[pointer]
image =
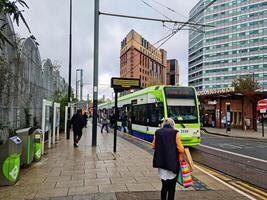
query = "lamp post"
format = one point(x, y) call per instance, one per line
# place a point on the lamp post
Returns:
point(95, 83)
point(69, 89)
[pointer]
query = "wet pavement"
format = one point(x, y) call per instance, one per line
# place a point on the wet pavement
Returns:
point(67, 173)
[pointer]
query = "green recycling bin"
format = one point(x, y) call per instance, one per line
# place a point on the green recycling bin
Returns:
point(27, 137)
point(38, 142)
point(10, 149)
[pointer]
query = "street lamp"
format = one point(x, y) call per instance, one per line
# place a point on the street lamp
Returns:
point(69, 89)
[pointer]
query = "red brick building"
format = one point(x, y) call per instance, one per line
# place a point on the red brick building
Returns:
point(243, 107)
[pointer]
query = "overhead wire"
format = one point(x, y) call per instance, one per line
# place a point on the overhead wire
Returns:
point(170, 9)
point(184, 24)
point(169, 36)
point(155, 9)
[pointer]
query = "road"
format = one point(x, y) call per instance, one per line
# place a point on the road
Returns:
point(243, 159)
point(248, 147)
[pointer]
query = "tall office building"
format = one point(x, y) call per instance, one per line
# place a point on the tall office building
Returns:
point(140, 59)
point(172, 70)
point(235, 46)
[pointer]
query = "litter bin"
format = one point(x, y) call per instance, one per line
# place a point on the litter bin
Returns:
point(10, 149)
point(26, 135)
point(38, 142)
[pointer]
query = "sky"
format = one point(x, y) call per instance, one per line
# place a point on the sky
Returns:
point(49, 23)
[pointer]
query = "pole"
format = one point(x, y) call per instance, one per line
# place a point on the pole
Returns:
point(76, 85)
point(81, 86)
point(262, 121)
point(116, 119)
point(69, 90)
point(95, 85)
point(88, 102)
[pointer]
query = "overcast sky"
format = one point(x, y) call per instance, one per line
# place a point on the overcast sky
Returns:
point(49, 22)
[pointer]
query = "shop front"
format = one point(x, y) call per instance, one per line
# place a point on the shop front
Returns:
point(241, 108)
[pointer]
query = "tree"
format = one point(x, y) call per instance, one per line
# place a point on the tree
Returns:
point(61, 96)
point(247, 84)
point(11, 8)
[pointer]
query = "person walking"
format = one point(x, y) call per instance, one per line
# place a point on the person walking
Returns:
point(77, 123)
point(168, 149)
point(85, 118)
point(112, 120)
point(124, 122)
point(104, 121)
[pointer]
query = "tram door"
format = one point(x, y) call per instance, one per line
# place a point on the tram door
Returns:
point(128, 109)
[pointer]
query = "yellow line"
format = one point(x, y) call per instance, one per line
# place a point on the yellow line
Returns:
point(248, 191)
point(252, 188)
point(216, 174)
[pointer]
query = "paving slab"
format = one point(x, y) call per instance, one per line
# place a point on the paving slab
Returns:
point(67, 173)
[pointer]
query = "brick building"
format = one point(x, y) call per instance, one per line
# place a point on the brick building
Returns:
point(140, 59)
point(172, 70)
point(243, 107)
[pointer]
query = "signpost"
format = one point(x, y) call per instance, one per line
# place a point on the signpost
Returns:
point(119, 85)
point(262, 105)
point(228, 116)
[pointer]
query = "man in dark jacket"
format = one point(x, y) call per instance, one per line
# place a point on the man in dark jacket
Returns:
point(77, 123)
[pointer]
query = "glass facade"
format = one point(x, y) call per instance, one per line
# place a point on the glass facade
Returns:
point(235, 46)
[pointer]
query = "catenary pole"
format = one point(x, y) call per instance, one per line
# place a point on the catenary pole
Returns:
point(95, 84)
point(81, 87)
point(69, 89)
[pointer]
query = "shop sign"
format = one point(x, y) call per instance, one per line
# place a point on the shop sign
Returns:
point(212, 102)
point(216, 91)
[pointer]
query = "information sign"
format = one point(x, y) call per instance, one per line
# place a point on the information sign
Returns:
point(119, 85)
point(122, 84)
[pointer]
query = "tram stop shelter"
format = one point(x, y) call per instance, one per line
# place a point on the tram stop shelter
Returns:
point(243, 107)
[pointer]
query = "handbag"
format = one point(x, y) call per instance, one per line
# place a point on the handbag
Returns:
point(184, 176)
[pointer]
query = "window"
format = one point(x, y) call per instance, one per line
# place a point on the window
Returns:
point(156, 114)
point(139, 114)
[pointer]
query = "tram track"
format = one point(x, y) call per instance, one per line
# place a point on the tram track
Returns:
point(243, 174)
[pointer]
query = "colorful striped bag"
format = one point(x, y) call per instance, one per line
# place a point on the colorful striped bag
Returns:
point(184, 177)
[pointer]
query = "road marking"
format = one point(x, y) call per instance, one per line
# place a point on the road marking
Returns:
point(252, 188)
point(236, 154)
point(248, 191)
point(226, 184)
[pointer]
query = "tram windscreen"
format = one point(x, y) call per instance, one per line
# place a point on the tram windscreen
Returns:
point(181, 105)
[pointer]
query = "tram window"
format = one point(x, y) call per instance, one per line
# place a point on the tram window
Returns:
point(139, 114)
point(155, 114)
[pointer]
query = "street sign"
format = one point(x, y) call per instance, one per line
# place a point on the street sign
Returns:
point(263, 110)
point(262, 104)
point(121, 84)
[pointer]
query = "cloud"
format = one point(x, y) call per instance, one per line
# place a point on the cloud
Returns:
point(49, 22)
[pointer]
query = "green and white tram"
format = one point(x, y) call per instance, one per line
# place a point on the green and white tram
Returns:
point(147, 108)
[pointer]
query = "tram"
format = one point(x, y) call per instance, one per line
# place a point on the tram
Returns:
point(146, 109)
